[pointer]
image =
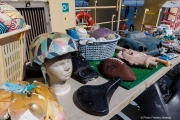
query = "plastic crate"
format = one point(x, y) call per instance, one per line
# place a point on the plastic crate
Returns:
point(99, 50)
point(12, 54)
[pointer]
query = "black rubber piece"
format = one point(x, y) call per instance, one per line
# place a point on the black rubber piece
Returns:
point(95, 99)
point(33, 71)
point(82, 70)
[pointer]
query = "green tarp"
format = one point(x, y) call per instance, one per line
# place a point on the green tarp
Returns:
point(141, 73)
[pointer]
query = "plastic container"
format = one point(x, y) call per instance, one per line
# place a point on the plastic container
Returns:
point(99, 50)
point(73, 33)
point(12, 55)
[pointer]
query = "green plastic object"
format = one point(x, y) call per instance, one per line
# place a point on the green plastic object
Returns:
point(141, 73)
point(170, 37)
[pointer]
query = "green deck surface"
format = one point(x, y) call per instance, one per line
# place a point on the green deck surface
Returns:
point(141, 73)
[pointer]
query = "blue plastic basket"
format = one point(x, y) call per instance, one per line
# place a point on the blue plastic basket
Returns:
point(99, 50)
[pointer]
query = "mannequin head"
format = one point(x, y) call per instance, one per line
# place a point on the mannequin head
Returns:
point(52, 52)
point(59, 69)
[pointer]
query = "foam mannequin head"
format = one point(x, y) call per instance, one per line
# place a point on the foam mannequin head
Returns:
point(59, 70)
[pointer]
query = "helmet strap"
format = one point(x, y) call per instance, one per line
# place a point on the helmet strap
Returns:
point(43, 69)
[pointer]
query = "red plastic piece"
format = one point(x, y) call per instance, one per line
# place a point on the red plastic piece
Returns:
point(176, 22)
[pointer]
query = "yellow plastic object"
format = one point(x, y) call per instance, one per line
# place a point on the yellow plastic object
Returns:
point(147, 12)
point(54, 111)
point(150, 13)
point(41, 105)
point(12, 54)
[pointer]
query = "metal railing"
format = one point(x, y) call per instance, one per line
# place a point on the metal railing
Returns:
point(95, 7)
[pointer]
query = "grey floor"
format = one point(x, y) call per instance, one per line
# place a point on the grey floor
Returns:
point(130, 112)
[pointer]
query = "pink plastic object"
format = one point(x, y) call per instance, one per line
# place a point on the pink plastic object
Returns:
point(137, 58)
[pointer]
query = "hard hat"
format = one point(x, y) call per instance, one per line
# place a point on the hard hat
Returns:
point(51, 45)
